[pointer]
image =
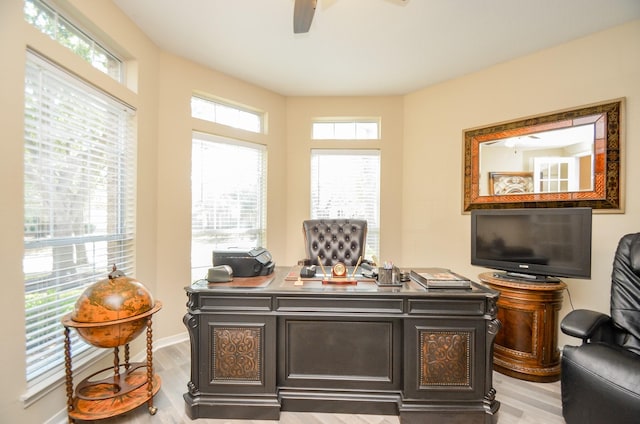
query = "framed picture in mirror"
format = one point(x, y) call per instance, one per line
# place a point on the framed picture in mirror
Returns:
point(501, 183)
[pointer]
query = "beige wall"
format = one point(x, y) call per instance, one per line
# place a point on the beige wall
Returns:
point(141, 92)
point(421, 144)
point(300, 112)
point(600, 67)
point(178, 80)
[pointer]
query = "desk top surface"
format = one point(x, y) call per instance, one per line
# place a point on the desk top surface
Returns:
point(285, 280)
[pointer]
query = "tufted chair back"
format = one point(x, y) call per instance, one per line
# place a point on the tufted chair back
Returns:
point(334, 240)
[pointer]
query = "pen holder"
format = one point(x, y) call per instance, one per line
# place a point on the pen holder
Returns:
point(389, 276)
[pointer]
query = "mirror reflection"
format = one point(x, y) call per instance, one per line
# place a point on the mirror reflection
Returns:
point(544, 162)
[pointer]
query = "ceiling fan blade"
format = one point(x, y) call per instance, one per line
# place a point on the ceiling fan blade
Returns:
point(303, 11)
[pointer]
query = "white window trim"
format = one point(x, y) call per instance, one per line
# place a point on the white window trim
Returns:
point(342, 121)
point(81, 364)
point(195, 268)
point(260, 116)
point(373, 223)
point(94, 41)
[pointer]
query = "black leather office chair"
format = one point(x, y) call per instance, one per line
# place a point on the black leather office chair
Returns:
point(601, 378)
point(334, 240)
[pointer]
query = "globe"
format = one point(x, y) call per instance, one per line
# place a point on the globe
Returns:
point(113, 311)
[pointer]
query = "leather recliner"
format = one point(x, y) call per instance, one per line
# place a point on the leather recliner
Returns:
point(600, 379)
point(334, 240)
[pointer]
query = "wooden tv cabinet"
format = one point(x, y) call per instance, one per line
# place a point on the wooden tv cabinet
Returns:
point(281, 346)
point(526, 346)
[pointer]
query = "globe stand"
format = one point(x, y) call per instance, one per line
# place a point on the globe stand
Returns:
point(131, 385)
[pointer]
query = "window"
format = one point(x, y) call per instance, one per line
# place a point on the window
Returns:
point(51, 23)
point(226, 114)
point(556, 174)
point(358, 129)
point(228, 206)
point(346, 184)
point(79, 205)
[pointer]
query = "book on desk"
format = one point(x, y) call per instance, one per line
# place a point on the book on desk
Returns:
point(439, 278)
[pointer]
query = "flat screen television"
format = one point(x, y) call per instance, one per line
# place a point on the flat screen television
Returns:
point(537, 245)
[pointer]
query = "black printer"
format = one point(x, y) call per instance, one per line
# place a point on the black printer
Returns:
point(245, 263)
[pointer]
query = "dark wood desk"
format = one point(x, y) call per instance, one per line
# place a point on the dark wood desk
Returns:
point(423, 355)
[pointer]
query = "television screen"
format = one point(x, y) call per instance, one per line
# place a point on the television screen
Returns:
point(533, 244)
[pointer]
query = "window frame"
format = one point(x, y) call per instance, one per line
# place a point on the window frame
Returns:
point(201, 261)
point(123, 234)
point(223, 107)
point(372, 251)
point(338, 128)
point(62, 23)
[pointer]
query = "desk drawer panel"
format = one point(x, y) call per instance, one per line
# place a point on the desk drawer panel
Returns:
point(441, 307)
point(332, 304)
point(341, 354)
point(235, 303)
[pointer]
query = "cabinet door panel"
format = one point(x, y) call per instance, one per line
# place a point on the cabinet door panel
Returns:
point(237, 351)
point(519, 330)
point(444, 359)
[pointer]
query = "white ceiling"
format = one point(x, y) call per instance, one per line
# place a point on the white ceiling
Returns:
point(366, 47)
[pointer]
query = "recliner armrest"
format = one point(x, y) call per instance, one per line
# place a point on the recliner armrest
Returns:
point(583, 323)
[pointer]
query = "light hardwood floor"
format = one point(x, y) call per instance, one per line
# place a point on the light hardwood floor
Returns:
point(521, 402)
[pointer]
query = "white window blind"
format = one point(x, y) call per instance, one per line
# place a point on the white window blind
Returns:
point(346, 184)
point(79, 205)
point(228, 184)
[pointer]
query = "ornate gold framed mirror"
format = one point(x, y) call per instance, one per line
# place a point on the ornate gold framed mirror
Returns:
point(573, 158)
